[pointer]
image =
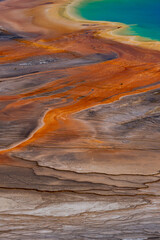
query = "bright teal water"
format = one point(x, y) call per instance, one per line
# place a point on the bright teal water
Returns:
point(143, 16)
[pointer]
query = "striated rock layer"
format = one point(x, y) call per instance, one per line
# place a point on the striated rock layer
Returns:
point(79, 129)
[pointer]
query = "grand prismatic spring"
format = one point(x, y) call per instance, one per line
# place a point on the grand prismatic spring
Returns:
point(79, 120)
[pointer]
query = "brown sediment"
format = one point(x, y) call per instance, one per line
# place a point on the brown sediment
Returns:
point(79, 120)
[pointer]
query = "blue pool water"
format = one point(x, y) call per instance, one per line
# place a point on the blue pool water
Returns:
point(142, 16)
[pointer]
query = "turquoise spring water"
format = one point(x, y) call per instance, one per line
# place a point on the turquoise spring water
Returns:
point(142, 16)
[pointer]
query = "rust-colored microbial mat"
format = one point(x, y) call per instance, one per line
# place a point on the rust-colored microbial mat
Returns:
point(79, 127)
